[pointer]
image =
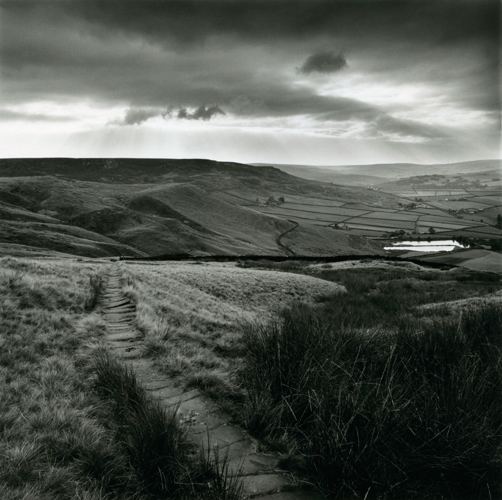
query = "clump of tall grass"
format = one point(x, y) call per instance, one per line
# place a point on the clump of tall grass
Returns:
point(94, 291)
point(411, 412)
point(165, 464)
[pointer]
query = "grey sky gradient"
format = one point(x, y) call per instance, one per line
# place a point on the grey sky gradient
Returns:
point(398, 80)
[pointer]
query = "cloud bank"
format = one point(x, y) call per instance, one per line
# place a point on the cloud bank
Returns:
point(418, 71)
point(324, 62)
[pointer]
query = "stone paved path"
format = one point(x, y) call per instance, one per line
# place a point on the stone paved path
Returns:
point(207, 425)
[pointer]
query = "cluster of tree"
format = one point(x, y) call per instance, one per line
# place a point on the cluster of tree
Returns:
point(397, 233)
point(275, 201)
point(408, 206)
point(494, 244)
point(271, 200)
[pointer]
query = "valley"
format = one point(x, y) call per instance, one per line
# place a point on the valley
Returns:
point(155, 207)
point(144, 208)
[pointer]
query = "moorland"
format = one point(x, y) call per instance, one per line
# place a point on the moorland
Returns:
point(138, 207)
point(367, 376)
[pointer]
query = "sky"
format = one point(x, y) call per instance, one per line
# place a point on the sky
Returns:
point(302, 82)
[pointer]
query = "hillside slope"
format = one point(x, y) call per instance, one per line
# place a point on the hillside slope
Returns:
point(378, 173)
point(137, 207)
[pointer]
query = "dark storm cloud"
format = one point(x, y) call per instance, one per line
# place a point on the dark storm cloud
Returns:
point(201, 113)
point(136, 116)
point(323, 62)
point(242, 55)
point(195, 20)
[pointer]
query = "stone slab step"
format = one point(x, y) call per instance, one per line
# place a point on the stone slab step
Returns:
point(119, 306)
point(121, 310)
point(132, 352)
point(303, 494)
point(169, 393)
point(112, 314)
point(170, 399)
point(124, 336)
point(253, 463)
point(119, 301)
point(260, 484)
point(155, 384)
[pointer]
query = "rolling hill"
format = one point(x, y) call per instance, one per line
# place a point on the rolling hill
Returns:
point(379, 173)
point(141, 207)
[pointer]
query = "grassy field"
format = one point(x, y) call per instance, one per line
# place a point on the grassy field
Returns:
point(475, 259)
point(192, 314)
point(74, 424)
point(413, 383)
point(133, 207)
point(51, 442)
point(448, 201)
point(380, 221)
point(374, 397)
point(367, 390)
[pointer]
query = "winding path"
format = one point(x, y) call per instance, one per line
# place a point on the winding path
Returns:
point(259, 472)
point(279, 242)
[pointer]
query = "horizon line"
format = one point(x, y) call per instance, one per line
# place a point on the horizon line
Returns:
point(254, 164)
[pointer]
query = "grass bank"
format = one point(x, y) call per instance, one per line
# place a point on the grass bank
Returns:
point(50, 439)
point(372, 400)
point(73, 423)
point(367, 394)
point(192, 316)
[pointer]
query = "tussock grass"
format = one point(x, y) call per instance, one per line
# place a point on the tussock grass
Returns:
point(165, 464)
point(191, 316)
point(414, 411)
point(154, 442)
point(58, 439)
point(95, 288)
point(51, 444)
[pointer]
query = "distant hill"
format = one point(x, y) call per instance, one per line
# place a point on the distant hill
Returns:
point(362, 175)
point(470, 180)
point(141, 207)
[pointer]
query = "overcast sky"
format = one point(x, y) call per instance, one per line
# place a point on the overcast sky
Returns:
point(315, 82)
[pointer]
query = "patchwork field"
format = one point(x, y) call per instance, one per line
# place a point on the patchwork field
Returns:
point(464, 198)
point(414, 218)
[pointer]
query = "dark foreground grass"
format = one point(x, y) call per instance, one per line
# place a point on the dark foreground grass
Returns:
point(164, 463)
point(413, 411)
point(58, 439)
point(50, 442)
